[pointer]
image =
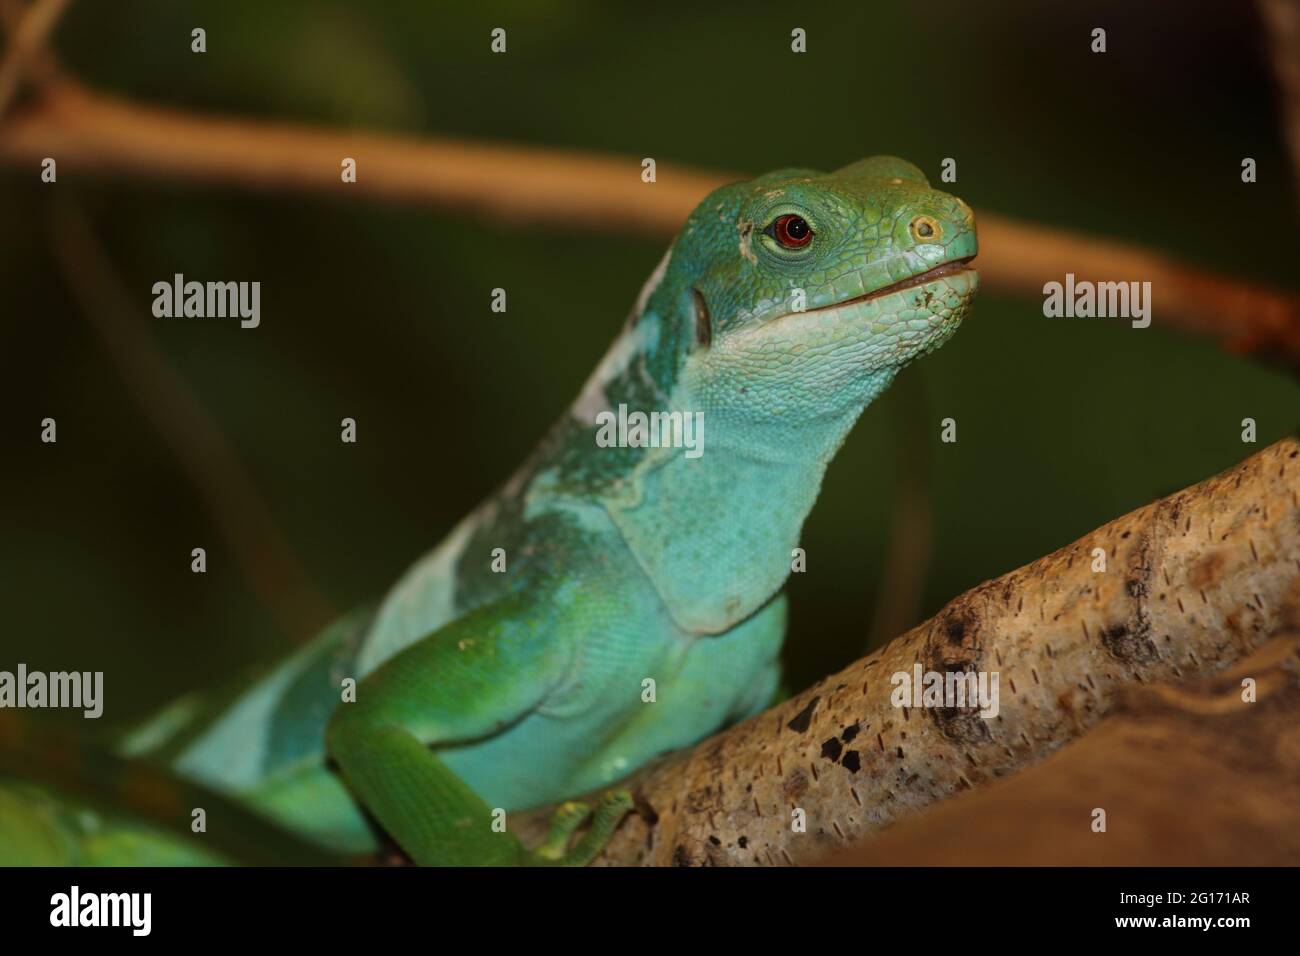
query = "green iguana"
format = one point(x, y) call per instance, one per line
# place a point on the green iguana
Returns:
point(621, 595)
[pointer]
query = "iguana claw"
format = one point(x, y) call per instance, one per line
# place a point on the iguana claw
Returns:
point(605, 818)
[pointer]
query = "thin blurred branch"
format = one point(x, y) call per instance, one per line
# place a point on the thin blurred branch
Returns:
point(228, 493)
point(1282, 22)
point(91, 133)
point(268, 563)
point(911, 526)
point(28, 29)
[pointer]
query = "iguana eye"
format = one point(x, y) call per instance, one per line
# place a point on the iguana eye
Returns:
point(791, 231)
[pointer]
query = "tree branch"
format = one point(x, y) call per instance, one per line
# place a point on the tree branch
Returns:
point(26, 48)
point(90, 133)
point(1193, 582)
point(229, 495)
point(1229, 768)
point(1282, 24)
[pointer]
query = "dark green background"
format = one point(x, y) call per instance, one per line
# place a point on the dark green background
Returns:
point(382, 313)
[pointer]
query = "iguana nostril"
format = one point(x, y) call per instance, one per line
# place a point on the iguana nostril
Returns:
point(923, 227)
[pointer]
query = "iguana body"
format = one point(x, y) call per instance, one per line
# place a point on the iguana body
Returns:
point(782, 309)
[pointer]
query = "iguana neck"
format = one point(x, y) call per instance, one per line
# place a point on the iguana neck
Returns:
point(715, 534)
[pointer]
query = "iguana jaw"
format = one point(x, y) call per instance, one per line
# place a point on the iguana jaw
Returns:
point(951, 267)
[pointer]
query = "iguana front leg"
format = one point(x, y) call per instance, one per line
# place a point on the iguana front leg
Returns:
point(468, 680)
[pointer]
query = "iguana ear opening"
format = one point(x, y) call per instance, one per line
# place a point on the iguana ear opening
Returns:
point(703, 322)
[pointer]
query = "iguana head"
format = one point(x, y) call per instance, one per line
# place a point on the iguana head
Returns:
point(800, 294)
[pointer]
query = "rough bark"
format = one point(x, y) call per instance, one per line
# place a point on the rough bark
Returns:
point(1187, 776)
point(1193, 583)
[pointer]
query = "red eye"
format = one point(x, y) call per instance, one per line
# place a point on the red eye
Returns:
point(791, 231)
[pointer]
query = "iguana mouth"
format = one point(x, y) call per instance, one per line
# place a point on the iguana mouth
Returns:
point(951, 267)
